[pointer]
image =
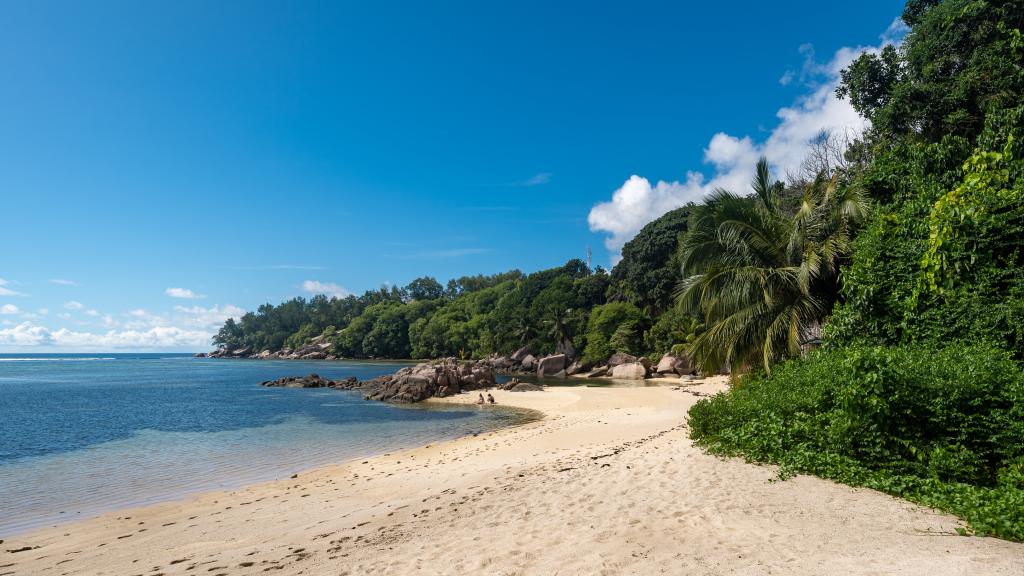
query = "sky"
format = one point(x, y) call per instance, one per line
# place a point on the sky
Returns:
point(167, 165)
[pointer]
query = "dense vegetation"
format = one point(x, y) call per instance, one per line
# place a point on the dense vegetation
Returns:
point(586, 313)
point(919, 390)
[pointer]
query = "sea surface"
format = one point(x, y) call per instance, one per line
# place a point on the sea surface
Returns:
point(81, 434)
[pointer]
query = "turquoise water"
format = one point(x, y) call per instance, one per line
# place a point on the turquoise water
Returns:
point(84, 433)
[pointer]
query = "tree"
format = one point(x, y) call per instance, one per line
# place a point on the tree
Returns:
point(648, 272)
point(229, 335)
point(626, 339)
point(673, 328)
point(759, 276)
point(602, 325)
point(425, 288)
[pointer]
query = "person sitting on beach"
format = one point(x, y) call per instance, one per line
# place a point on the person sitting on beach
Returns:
point(480, 400)
point(490, 398)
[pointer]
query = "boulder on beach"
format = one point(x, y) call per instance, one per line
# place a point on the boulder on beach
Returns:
point(577, 367)
point(528, 363)
point(519, 355)
point(550, 365)
point(620, 358)
point(526, 387)
point(674, 364)
point(501, 362)
point(631, 371)
point(598, 372)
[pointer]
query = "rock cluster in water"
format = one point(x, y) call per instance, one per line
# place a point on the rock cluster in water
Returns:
point(412, 384)
point(310, 381)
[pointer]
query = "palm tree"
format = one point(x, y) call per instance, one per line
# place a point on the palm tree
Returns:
point(523, 330)
point(558, 320)
point(760, 276)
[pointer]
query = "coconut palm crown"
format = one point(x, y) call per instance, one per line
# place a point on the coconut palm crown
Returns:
point(762, 276)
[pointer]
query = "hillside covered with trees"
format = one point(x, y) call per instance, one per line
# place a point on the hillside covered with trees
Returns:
point(587, 313)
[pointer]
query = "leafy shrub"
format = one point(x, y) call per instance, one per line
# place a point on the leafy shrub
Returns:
point(942, 426)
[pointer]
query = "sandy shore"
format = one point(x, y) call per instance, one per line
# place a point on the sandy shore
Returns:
point(607, 483)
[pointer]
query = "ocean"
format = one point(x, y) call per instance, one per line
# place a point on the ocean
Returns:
point(82, 434)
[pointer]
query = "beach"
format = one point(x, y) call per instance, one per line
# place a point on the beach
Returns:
point(607, 482)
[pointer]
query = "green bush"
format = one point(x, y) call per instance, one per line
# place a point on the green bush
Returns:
point(942, 426)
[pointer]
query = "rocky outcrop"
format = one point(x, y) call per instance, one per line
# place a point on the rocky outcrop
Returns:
point(310, 381)
point(514, 385)
point(620, 358)
point(519, 355)
point(630, 371)
point(577, 367)
point(428, 380)
point(674, 364)
point(528, 363)
point(598, 372)
point(551, 365)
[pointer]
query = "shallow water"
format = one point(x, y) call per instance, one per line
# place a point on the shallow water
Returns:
point(83, 434)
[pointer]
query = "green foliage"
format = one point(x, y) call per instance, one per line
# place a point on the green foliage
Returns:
point(649, 271)
point(307, 331)
point(627, 339)
point(671, 329)
point(958, 62)
point(919, 391)
point(762, 277)
point(425, 288)
point(605, 323)
point(548, 310)
point(939, 426)
point(942, 257)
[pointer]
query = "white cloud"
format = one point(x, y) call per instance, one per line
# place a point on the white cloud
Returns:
point(209, 319)
point(187, 328)
point(328, 288)
point(24, 334)
point(61, 282)
point(732, 158)
point(4, 291)
point(538, 179)
point(27, 334)
point(141, 319)
point(9, 309)
point(73, 305)
point(183, 293)
point(91, 313)
point(43, 311)
point(895, 32)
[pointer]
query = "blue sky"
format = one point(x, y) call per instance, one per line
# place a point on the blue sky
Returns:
point(248, 152)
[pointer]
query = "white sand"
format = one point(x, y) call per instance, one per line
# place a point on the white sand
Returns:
point(607, 483)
